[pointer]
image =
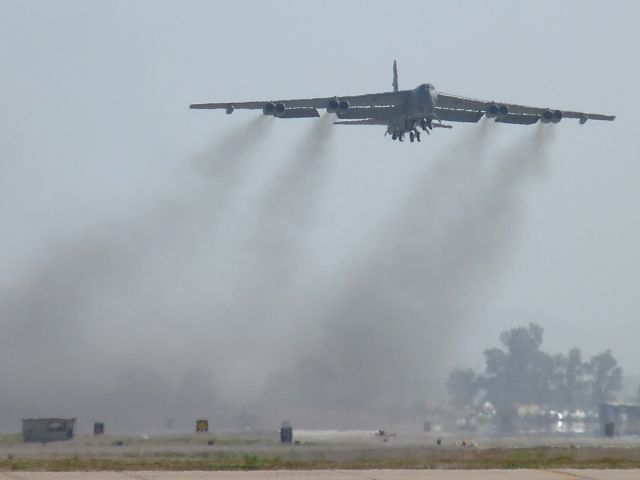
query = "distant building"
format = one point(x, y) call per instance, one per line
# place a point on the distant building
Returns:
point(619, 419)
point(43, 430)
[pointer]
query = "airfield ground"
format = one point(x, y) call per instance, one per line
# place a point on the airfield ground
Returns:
point(339, 475)
point(251, 451)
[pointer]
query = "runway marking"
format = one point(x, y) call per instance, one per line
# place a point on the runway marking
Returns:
point(572, 475)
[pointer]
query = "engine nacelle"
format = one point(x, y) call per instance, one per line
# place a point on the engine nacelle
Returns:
point(496, 110)
point(279, 109)
point(336, 105)
point(333, 105)
point(269, 108)
point(557, 116)
point(551, 116)
point(229, 109)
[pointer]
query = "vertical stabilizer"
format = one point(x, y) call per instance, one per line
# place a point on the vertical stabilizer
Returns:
point(395, 76)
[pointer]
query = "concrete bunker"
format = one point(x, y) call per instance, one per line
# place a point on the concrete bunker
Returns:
point(43, 430)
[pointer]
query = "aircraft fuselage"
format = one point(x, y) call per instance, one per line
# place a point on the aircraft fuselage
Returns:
point(418, 111)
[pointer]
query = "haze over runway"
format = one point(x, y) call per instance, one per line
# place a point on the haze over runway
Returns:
point(157, 261)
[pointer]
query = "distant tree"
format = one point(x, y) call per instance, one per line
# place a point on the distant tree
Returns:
point(463, 386)
point(570, 382)
point(557, 379)
point(576, 384)
point(521, 373)
point(494, 381)
point(606, 377)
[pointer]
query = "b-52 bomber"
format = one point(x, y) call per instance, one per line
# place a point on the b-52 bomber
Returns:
point(406, 111)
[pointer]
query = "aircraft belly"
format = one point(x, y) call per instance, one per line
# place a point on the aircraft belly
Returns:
point(403, 124)
point(421, 107)
point(396, 123)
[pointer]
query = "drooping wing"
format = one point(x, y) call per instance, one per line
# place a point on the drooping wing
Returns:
point(519, 114)
point(366, 100)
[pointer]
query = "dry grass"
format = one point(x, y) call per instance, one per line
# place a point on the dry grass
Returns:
point(431, 458)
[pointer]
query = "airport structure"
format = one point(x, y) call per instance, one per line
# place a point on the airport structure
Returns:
point(202, 426)
point(619, 419)
point(98, 428)
point(286, 432)
point(42, 430)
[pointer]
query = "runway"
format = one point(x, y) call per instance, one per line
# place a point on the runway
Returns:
point(559, 474)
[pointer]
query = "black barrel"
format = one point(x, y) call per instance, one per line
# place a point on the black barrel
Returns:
point(98, 428)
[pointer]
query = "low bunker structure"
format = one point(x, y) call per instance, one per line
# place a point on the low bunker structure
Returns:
point(42, 430)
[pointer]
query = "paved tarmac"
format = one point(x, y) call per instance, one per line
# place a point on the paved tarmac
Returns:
point(560, 474)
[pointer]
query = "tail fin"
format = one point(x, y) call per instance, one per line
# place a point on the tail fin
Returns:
point(395, 77)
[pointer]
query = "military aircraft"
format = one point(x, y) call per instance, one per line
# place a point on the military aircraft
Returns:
point(406, 111)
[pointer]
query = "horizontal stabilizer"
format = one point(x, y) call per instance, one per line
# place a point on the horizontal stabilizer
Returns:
point(518, 118)
point(452, 115)
point(300, 113)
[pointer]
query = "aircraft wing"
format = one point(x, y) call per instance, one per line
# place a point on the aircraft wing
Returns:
point(519, 114)
point(366, 100)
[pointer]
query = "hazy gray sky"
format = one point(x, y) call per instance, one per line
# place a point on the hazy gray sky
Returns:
point(96, 136)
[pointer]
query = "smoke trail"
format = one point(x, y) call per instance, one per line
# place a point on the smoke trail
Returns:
point(483, 226)
point(225, 155)
point(481, 234)
point(276, 263)
point(361, 343)
point(217, 174)
point(303, 175)
point(485, 229)
point(399, 320)
point(288, 207)
point(95, 298)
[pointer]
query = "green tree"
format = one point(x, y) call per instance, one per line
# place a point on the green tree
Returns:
point(521, 373)
point(606, 377)
point(570, 382)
